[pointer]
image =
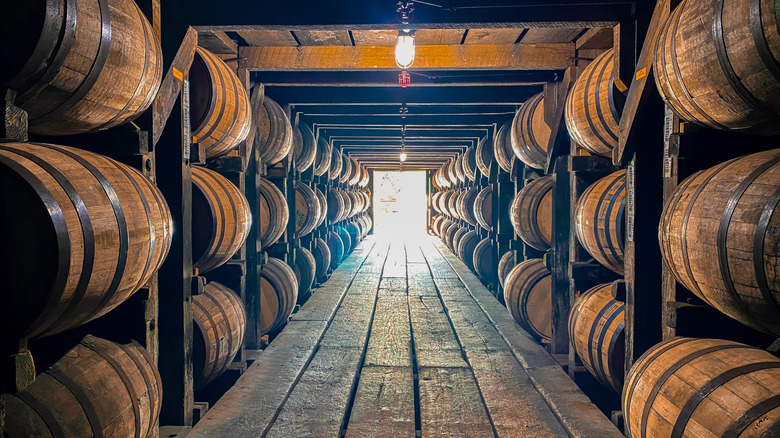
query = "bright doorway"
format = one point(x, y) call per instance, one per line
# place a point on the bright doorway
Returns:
point(399, 204)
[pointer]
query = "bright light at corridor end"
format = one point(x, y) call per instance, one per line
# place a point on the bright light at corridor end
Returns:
point(404, 49)
point(402, 157)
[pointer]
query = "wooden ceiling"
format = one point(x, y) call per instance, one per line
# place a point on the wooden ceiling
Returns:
point(475, 64)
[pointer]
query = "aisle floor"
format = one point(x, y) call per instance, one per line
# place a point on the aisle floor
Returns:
point(403, 341)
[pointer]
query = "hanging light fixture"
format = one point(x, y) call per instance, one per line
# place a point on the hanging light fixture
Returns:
point(404, 48)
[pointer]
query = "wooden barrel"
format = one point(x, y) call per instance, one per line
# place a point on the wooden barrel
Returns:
point(718, 238)
point(220, 219)
point(304, 147)
point(434, 197)
point(446, 223)
point(323, 206)
point(368, 224)
point(452, 204)
point(357, 173)
point(273, 132)
point(305, 270)
point(219, 323)
point(484, 156)
point(79, 66)
point(219, 105)
point(307, 209)
point(96, 230)
point(278, 295)
point(505, 265)
point(365, 179)
point(716, 64)
point(502, 147)
point(485, 260)
point(449, 229)
point(337, 249)
point(98, 388)
point(335, 164)
point(355, 233)
point(470, 163)
point(531, 213)
point(600, 221)
point(443, 202)
point(530, 133)
point(366, 201)
point(436, 224)
point(466, 205)
point(458, 169)
point(483, 208)
point(322, 258)
point(322, 157)
point(703, 387)
point(349, 244)
point(346, 169)
point(593, 107)
point(336, 205)
point(527, 291)
point(466, 246)
point(596, 332)
point(456, 238)
point(274, 213)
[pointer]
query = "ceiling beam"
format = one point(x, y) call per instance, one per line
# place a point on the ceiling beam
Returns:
point(419, 78)
point(451, 57)
point(384, 109)
point(472, 96)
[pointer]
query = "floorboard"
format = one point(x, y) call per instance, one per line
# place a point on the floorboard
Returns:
point(451, 405)
point(384, 404)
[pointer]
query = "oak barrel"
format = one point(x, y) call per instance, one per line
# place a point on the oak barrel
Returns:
point(502, 147)
point(600, 220)
point(596, 332)
point(484, 156)
point(278, 295)
point(337, 249)
point(466, 246)
point(470, 163)
point(220, 219)
point(336, 205)
point(79, 66)
point(219, 324)
point(323, 206)
point(505, 265)
point(355, 234)
point(531, 213)
point(716, 64)
point(466, 205)
point(447, 232)
point(593, 107)
point(304, 148)
point(719, 238)
point(703, 387)
point(322, 157)
point(273, 132)
point(457, 169)
point(305, 270)
point(527, 291)
point(321, 254)
point(274, 213)
point(95, 228)
point(530, 133)
point(483, 208)
point(357, 174)
point(336, 164)
point(485, 260)
point(444, 233)
point(98, 388)
point(452, 204)
point(346, 169)
point(456, 237)
point(349, 244)
point(307, 209)
point(219, 105)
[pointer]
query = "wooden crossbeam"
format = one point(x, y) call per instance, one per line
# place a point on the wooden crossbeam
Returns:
point(450, 57)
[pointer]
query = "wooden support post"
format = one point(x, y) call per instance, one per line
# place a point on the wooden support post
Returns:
point(175, 275)
point(559, 140)
point(642, 255)
point(639, 91)
point(561, 232)
point(624, 44)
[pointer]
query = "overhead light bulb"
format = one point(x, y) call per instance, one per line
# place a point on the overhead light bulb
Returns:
point(404, 48)
point(403, 155)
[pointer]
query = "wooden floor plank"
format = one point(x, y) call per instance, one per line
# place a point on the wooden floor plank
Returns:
point(574, 410)
point(434, 341)
point(317, 405)
point(248, 408)
point(420, 280)
point(395, 266)
point(384, 404)
point(515, 406)
point(390, 344)
point(451, 405)
point(394, 283)
point(453, 291)
point(350, 325)
point(414, 253)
